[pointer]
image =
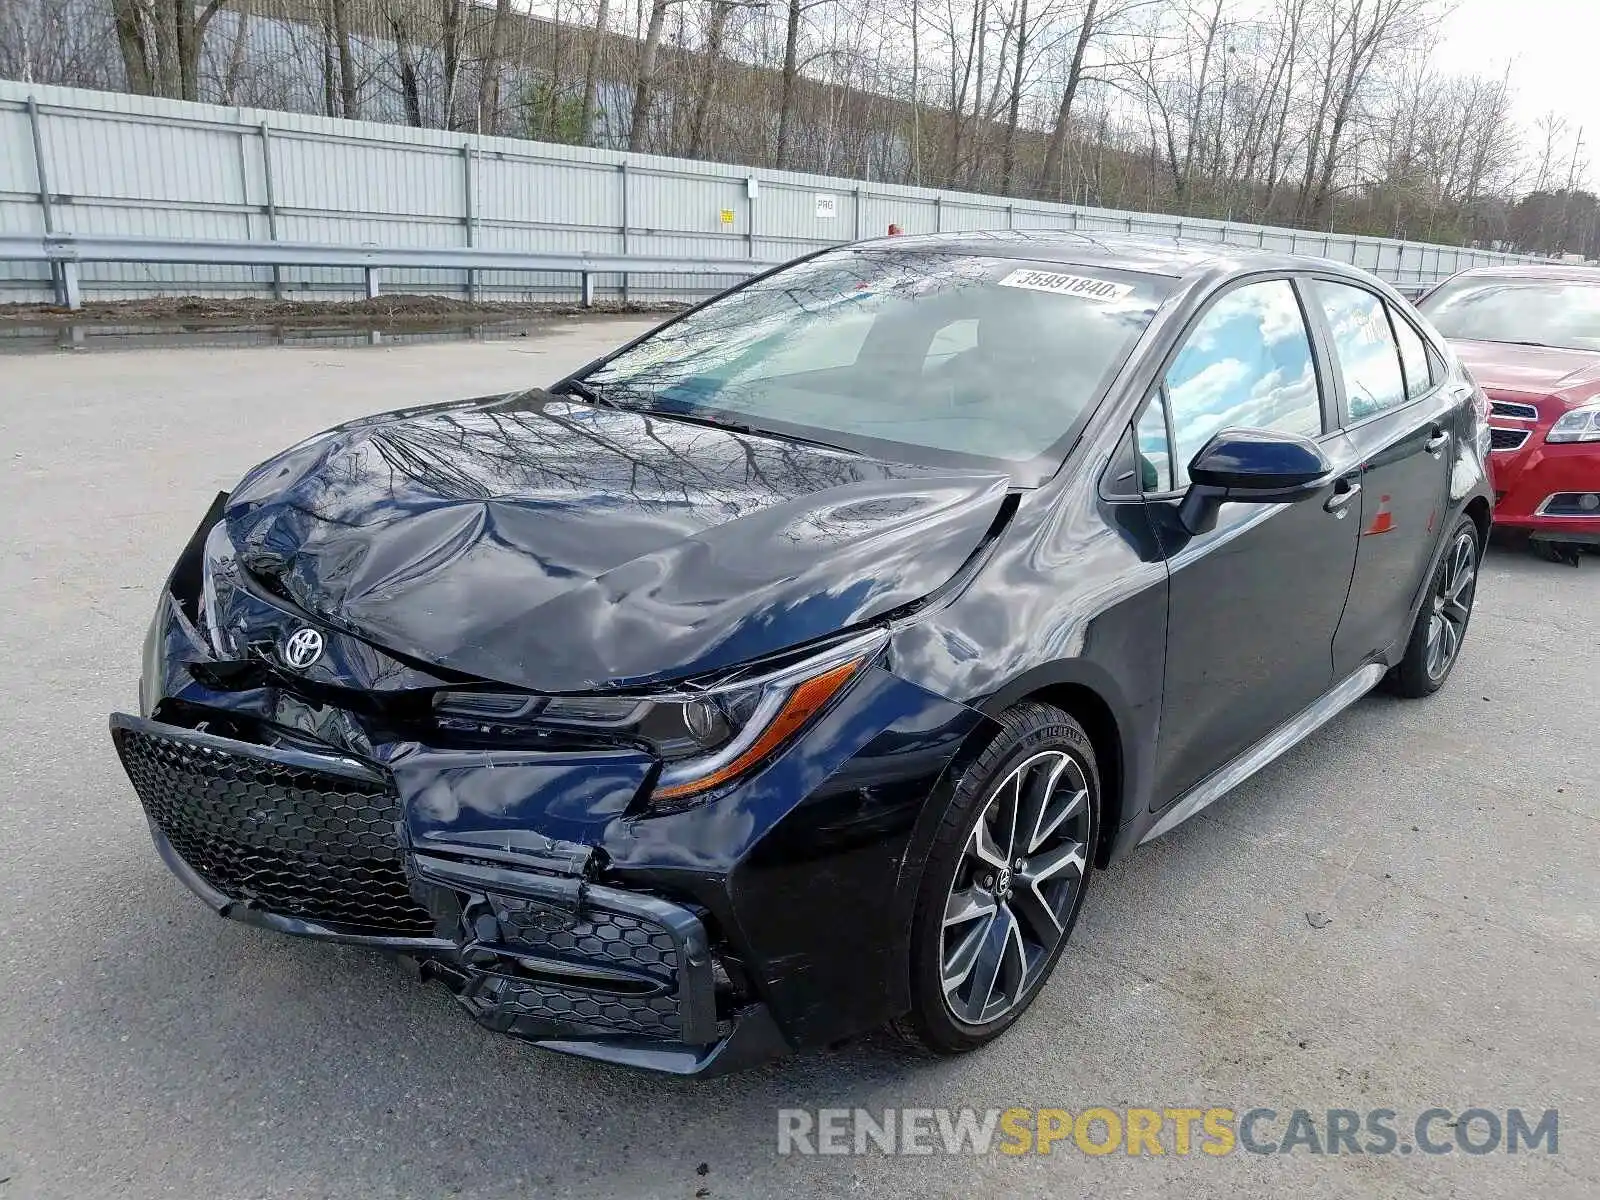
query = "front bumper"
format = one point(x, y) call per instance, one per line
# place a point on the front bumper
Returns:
point(324, 802)
point(313, 845)
point(1527, 479)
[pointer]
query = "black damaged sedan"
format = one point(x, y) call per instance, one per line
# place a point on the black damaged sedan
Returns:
point(790, 671)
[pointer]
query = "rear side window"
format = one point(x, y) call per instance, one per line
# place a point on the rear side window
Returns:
point(1413, 355)
point(1369, 360)
point(1246, 365)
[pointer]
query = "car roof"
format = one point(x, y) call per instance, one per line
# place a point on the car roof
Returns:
point(1172, 257)
point(1533, 271)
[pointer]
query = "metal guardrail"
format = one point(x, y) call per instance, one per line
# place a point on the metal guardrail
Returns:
point(177, 170)
point(65, 251)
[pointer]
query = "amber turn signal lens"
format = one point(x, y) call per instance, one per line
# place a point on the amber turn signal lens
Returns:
point(803, 703)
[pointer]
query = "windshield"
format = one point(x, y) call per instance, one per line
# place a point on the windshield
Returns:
point(917, 355)
point(1545, 312)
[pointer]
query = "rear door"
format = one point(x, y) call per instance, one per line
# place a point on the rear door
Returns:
point(1401, 422)
point(1255, 602)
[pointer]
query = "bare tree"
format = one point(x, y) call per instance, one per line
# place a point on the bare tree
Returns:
point(493, 63)
point(410, 76)
point(349, 103)
point(61, 41)
point(1087, 27)
point(1291, 19)
point(1360, 33)
point(160, 42)
point(450, 48)
point(645, 80)
point(591, 70)
point(131, 33)
point(1019, 68)
point(1265, 110)
point(716, 30)
point(1207, 36)
point(791, 73)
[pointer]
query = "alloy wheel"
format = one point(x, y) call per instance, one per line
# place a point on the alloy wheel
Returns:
point(1014, 887)
point(1452, 604)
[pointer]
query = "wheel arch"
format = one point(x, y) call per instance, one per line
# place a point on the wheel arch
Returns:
point(1478, 509)
point(1091, 697)
point(1091, 711)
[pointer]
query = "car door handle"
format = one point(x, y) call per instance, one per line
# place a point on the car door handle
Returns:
point(1437, 442)
point(1339, 503)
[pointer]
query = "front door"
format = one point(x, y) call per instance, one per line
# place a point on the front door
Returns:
point(1255, 602)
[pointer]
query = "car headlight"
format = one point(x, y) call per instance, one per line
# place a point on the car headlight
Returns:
point(705, 737)
point(1579, 425)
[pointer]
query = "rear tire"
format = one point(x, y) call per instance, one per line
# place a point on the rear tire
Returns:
point(1004, 881)
point(1441, 625)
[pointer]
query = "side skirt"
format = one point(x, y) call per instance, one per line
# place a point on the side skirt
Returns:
point(1285, 738)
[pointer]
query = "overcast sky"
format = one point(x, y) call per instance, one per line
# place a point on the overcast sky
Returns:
point(1554, 49)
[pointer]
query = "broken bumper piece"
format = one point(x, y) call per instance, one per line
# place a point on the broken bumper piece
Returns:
point(312, 844)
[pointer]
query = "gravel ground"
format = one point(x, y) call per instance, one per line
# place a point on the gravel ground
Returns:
point(1447, 849)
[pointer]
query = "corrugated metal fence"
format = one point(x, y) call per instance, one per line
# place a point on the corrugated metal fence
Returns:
point(74, 161)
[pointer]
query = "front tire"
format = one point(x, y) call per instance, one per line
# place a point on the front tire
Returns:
point(1441, 626)
point(1004, 881)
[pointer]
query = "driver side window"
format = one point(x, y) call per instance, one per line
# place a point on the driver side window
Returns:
point(1247, 364)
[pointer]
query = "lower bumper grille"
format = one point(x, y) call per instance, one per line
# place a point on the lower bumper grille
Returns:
point(620, 941)
point(1507, 439)
point(286, 837)
point(575, 1012)
point(544, 962)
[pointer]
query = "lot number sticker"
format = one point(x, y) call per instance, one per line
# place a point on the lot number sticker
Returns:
point(1068, 285)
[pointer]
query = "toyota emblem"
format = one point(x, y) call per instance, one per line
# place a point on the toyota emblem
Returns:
point(302, 648)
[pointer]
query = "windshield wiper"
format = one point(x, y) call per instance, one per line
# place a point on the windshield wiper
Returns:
point(590, 393)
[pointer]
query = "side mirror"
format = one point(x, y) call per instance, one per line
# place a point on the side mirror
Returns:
point(1251, 466)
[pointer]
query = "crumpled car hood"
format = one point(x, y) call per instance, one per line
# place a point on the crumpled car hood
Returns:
point(558, 546)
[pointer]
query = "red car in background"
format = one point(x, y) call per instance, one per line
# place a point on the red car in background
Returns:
point(1530, 335)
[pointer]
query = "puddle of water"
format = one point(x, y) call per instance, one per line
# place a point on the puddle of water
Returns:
point(101, 335)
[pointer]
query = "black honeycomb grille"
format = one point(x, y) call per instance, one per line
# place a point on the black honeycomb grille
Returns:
point(294, 841)
point(579, 1012)
point(1517, 412)
point(623, 941)
point(1507, 439)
